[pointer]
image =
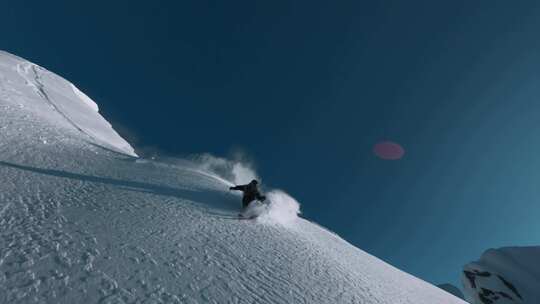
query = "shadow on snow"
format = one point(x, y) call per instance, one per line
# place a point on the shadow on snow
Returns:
point(213, 199)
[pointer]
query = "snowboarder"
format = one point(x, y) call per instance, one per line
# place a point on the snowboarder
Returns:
point(251, 193)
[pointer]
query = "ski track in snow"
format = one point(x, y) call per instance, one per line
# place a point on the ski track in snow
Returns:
point(26, 68)
point(84, 224)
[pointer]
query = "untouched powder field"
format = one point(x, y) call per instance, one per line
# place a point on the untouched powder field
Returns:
point(83, 220)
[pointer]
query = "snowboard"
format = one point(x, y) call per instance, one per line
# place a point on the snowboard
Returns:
point(246, 217)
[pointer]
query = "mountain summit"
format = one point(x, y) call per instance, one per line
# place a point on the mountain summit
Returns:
point(83, 220)
point(507, 275)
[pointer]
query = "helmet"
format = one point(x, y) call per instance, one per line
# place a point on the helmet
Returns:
point(254, 182)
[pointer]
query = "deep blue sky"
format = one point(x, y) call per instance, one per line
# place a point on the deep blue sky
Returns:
point(307, 88)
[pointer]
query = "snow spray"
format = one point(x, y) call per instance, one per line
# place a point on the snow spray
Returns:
point(237, 172)
point(281, 208)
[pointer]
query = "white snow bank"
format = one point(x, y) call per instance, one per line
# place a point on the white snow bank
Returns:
point(84, 98)
point(56, 101)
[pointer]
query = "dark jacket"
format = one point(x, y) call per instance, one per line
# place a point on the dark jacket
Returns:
point(251, 193)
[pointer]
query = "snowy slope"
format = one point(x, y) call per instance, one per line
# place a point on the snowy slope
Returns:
point(452, 290)
point(83, 221)
point(25, 84)
point(504, 276)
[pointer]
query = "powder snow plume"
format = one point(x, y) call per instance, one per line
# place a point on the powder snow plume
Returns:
point(237, 171)
point(279, 207)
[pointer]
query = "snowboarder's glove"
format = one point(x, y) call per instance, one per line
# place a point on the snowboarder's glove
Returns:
point(231, 188)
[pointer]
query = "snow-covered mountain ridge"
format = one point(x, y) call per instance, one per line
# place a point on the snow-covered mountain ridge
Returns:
point(82, 220)
point(52, 99)
point(506, 275)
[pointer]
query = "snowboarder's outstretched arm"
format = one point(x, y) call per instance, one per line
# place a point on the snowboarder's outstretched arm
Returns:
point(239, 187)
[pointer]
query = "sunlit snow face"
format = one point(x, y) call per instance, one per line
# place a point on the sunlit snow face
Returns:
point(388, 150)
